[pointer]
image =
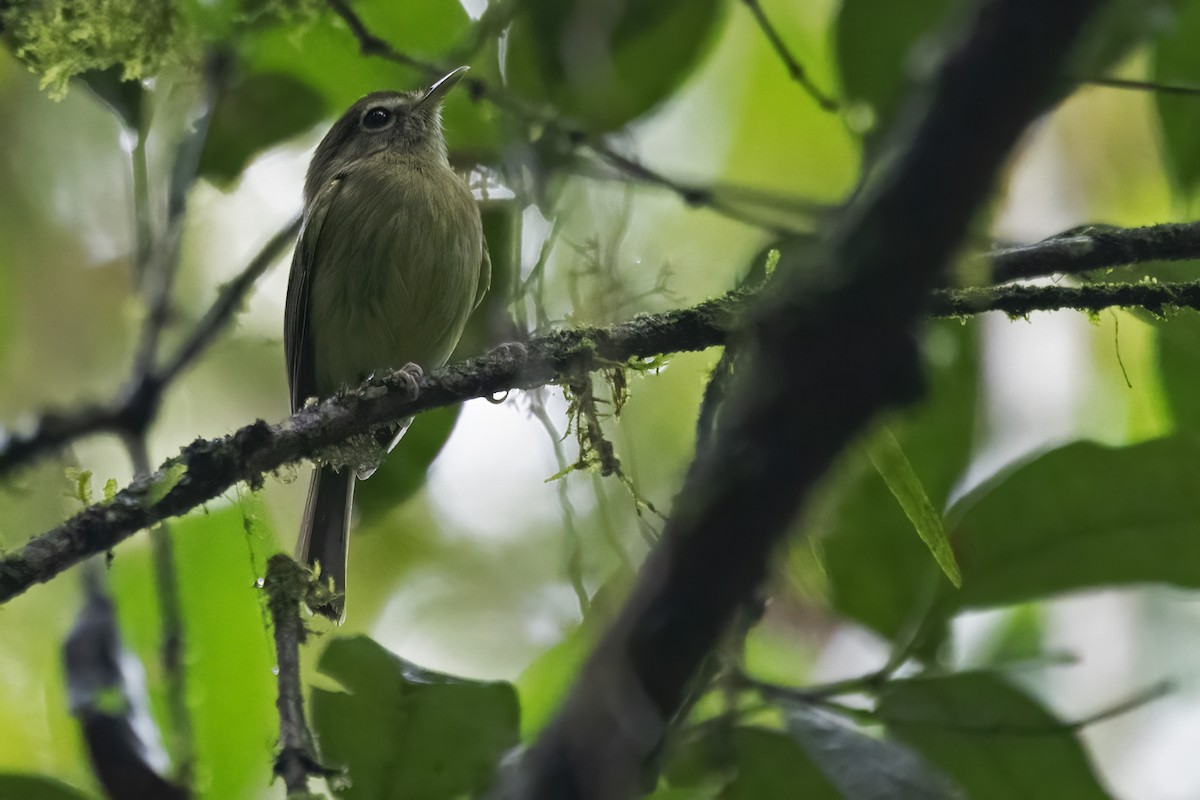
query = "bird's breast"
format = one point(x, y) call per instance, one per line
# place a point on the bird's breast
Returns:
point(395, 274)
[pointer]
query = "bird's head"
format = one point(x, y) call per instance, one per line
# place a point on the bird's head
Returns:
point(407, 123)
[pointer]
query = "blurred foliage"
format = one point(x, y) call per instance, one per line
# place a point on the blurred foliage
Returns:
point(606, 62)
point(462, 548)
point(32, 787)
point(401, 731)
point(863, 766)
point(991, 738)
point(1176, 62)
point(1117, 516)
point(61, 39)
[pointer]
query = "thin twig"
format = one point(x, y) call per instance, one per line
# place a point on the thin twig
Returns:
point(228, 301)
point(163, 255)
point(143, 225)
point(1148, 695)
point(1019, 300)
point(794, 68)
point(372, 45)
point(158, 273)
point(1095, 247)
point(1142, 86)
point(574, 542)
point(129, 411)
point(286, 585)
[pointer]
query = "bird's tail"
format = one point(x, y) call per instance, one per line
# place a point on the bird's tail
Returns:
point(324, 533)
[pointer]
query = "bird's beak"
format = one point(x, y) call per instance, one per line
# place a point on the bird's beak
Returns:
point(443, 85)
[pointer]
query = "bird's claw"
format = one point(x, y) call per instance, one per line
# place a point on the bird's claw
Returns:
point(410, 376)
point(513, 350)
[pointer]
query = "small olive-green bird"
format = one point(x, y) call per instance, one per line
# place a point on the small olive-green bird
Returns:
point(389, 264)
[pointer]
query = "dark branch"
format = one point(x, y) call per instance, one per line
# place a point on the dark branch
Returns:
point(1020, 300)
point(372, 45)
point(1073, 252)
point(799, 398)
point(1143, 86)
point(286, 585)
point(1094, 247)
point(105, 704)
point(206, 468)
point(794, 68)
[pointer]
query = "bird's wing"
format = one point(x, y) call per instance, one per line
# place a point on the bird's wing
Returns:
point(485, 276)
point(297, 333)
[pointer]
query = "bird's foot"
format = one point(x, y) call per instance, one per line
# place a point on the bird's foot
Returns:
point(510, 350)
point(409, 377)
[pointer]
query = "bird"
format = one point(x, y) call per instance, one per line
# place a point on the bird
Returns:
point(389, 264)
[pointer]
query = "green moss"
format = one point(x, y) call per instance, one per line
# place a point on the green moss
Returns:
point(63, 38)
point(60, 39)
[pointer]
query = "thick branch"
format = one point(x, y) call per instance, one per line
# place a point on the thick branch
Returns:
point(830, 347)
point(206, 468)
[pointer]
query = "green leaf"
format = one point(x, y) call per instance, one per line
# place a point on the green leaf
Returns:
point(218, 556)
point(1082, 516)
point(402, 473)
point(865, 768)
point(992, 739)
point(605, 63)
point(749, 763)
point(545, 682)
point(406, 732)
point(878, 573)
point(34, 787)
point(1117, 28)
point(252, 115)
point(878, 51)
point(1176, 60)
point(887, 456)
point(326, 57)
point(1178, 342)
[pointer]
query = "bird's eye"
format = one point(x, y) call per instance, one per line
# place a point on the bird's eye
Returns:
point(377, 118)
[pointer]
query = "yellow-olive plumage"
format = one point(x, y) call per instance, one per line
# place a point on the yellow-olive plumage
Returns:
point(389, 264)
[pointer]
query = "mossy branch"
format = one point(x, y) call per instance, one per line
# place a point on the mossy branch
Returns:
point(206, 468)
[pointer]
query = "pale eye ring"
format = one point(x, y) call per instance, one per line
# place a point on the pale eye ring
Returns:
point(377, 118)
